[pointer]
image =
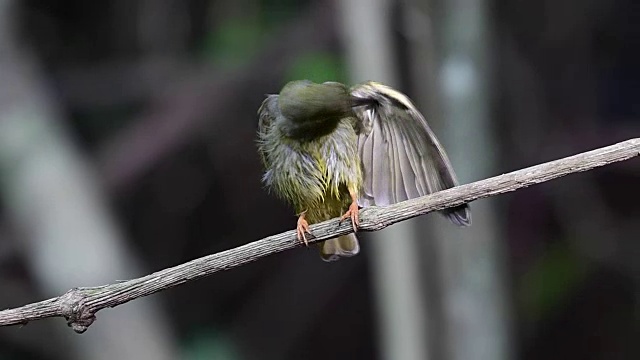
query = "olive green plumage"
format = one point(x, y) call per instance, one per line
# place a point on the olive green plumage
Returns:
point(320, 143)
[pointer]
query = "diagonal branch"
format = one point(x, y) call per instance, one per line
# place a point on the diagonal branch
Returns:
point(80, 305)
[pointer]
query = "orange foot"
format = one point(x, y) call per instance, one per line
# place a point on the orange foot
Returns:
point(353, 214)
point(302, 228)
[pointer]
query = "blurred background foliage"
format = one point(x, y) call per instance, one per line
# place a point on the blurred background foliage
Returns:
point(127, 145)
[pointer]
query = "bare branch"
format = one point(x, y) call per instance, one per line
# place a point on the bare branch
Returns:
point(80, 305)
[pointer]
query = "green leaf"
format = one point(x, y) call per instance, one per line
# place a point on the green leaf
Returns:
point(317, 67)
point(234, 42)
point(210, 344)
point(550, 282)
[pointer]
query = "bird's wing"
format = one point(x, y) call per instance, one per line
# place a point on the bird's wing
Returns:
point(401, 156)
point(266, 117)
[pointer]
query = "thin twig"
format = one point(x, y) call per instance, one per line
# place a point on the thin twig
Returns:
point(80, 305)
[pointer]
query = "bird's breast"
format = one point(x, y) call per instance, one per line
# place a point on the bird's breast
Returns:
point(315, 175)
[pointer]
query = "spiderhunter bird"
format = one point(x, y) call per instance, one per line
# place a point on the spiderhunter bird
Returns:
point(328, 149)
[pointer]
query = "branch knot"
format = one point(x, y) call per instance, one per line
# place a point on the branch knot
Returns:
point(79, 316)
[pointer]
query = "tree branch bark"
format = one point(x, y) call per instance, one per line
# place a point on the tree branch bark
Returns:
point(79, 305)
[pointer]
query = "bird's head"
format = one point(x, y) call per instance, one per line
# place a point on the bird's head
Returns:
point(306, 101)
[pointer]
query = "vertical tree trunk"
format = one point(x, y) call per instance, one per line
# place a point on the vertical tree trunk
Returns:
point(54, 199)
point(472, 263)
point(401, 304)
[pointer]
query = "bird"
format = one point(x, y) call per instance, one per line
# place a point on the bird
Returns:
point(329, 150)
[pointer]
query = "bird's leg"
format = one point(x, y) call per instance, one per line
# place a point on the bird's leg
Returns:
point(302, 228)
point(352, 212)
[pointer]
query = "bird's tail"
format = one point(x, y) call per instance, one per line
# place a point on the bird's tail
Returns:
point(343, 246)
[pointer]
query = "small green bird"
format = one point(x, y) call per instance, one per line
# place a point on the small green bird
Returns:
point(327, 148)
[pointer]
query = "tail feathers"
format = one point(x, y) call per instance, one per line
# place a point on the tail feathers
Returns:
point(459, 215)
point(343, 246)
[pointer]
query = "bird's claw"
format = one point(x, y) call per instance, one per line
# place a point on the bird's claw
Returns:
point(301, 229)
point(353, 214)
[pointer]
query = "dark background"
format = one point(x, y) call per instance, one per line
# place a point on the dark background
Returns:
point(127, 145)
